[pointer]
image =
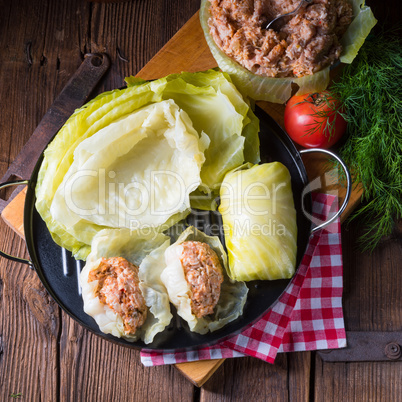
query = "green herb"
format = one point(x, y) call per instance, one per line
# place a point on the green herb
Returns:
point(370, 89)
point(16, 396)
point(324, 118)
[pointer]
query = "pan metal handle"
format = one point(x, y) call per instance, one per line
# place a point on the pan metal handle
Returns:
point(348, 186)
point(2, 253)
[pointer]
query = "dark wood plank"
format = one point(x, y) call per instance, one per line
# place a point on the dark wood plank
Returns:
point(35, 65)
point(29, 323)
point(358, 381)
point(93, 369)
point(373, 295)
point(300, 372)
point(372, 302)
point(242, 379)
point(133, 32)
point(252, 379)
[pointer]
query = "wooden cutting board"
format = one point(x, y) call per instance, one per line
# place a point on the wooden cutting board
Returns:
point(188, 51)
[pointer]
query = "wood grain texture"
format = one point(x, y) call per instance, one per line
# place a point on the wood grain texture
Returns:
point(199, 372)
point(372, 294)
point(248, 379)
point(187, 51)
point(33, 69)
point(372, 302)
point(27, 317)
point(299, 375)
point(358, 381)
point(93, 369)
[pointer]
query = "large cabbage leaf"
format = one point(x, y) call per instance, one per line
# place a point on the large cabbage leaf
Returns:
point(233, 294)
point(226, 127)
point(259, 222)
point(136, 172)
point(217, 108)
point(279, 90)
point(145, 251)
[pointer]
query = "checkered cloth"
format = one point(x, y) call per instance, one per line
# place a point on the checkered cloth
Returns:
point(308, 315)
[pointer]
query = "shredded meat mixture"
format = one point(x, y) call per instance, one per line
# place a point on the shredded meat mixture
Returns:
point(307, 43)
point(203, 272)
point(118, 288)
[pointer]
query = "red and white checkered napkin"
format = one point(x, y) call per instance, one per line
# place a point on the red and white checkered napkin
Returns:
point(308, 315)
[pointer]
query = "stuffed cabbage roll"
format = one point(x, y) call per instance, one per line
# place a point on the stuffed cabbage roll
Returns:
point(197, 282)
point(121, 286)
point(259, 222)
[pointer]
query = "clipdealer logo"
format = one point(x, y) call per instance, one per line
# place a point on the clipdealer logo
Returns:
point(124, 200)
point(129, 202)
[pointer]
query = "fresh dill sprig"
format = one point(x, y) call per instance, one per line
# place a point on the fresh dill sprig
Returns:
point(370, 89)
point(324, 117)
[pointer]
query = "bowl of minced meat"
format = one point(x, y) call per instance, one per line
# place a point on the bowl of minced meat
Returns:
point(308, 41)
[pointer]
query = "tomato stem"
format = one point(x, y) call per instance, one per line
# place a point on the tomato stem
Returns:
point(316, 98)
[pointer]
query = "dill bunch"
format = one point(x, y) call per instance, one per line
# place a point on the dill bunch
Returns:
point(370, 90)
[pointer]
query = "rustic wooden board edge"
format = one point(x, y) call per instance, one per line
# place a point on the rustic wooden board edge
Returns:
point(199, 372)
point(13, 214)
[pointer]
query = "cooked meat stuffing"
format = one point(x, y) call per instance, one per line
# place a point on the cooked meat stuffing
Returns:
point(307, 43)
point(203, 273)
point(118, 288)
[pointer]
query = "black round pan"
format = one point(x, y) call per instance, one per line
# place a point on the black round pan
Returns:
point(59, 271)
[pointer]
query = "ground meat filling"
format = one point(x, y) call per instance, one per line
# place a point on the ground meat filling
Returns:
point(203, 273)
point(118, 288)
point(307, 43)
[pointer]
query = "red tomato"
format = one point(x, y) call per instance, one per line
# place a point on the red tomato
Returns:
point(312, 121)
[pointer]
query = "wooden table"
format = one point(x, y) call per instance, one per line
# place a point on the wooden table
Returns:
point(44, 355)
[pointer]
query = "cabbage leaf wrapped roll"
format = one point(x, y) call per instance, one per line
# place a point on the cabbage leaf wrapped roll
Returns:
point(121, 286)
point(198, 284)
point(259, 222)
